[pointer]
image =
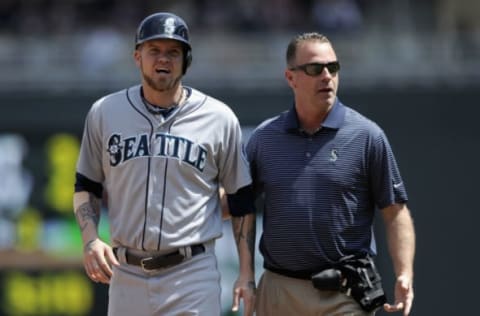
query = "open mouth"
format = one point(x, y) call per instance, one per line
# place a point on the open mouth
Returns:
point(325, 90)
point(162, 71)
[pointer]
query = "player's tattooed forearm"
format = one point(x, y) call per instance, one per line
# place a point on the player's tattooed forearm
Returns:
point(238, 223)
point(240, 233)
point(88, 212)
point(251, 286)
point(243, 231)
point(251, 241)
point(95, 202)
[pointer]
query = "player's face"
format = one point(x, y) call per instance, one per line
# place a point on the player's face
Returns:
point(317, 89)
point(160, 62)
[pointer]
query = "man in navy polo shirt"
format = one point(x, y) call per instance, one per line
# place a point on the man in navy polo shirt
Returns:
point(323, 169)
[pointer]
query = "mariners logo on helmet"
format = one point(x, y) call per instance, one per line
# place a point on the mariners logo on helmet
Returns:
point(169, 26)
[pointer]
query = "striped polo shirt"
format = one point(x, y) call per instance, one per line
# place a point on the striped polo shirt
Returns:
point(320, 191)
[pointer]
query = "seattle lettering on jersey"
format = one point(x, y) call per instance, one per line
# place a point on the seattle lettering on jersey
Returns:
point(162, 145)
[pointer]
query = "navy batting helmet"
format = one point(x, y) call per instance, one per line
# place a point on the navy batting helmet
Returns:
point(165, 25)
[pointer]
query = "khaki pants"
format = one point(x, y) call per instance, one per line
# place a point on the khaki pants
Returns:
point(278, 295)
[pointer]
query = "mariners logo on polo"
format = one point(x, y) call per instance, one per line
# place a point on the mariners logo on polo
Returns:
point(333, 155)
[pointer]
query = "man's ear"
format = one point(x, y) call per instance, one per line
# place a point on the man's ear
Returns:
point(289, 77)
point(137, 57)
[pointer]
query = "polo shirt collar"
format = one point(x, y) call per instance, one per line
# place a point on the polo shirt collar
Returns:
point(333, 120)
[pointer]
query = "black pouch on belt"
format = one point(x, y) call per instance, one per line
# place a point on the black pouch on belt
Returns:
point(363, 283)
point(328, 280)
point(356, 276)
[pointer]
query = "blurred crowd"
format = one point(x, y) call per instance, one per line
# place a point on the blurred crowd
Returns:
point(65, 16)
point(72, 31)
point(458, 20)
point(60, 16)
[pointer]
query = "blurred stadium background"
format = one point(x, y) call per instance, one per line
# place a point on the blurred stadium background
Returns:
point(412, 66)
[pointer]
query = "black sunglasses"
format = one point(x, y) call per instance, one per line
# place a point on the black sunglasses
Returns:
point(315, 69)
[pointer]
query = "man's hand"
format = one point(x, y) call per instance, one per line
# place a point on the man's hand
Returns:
point(244, 289)
point(98, 259)
point(403, 296)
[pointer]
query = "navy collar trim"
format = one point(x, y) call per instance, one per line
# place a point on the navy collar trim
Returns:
point(334, 119)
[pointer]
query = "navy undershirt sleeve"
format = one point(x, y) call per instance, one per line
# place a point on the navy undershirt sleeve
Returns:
point(83, 183)
point(241, 202)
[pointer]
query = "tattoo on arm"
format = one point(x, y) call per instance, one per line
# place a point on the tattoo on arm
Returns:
point(237, 223)
point(251, 286)
point(240, 233)
point(88, 212)
point(88, 245)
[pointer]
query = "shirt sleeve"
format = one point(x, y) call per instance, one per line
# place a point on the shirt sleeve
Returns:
point(82, 183)
point(241, 202)
point(251, 152)
point(234, 168)
point(89, 161)
point(387, 184)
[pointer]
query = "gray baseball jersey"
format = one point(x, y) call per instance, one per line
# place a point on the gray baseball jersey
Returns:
point(162, 175)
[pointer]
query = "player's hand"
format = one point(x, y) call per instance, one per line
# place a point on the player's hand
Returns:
point(244, 289)
point(403, 296)
point(98, 259)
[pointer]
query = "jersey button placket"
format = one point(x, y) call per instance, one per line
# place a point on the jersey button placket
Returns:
point(308, 147)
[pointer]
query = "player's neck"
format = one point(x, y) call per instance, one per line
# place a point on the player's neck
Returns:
point(164, 99)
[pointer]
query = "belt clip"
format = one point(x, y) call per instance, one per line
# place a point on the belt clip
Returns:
point(145, 261)
point(121, 254)
point(186, 252)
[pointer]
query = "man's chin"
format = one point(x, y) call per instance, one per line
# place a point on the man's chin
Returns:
point(162, 84)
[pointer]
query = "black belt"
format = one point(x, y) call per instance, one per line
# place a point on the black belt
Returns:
point(161, 261)
point(302, 274)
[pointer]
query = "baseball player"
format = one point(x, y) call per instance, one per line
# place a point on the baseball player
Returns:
point(161, 152)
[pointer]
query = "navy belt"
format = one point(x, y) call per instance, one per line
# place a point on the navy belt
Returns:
point(162, 261)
